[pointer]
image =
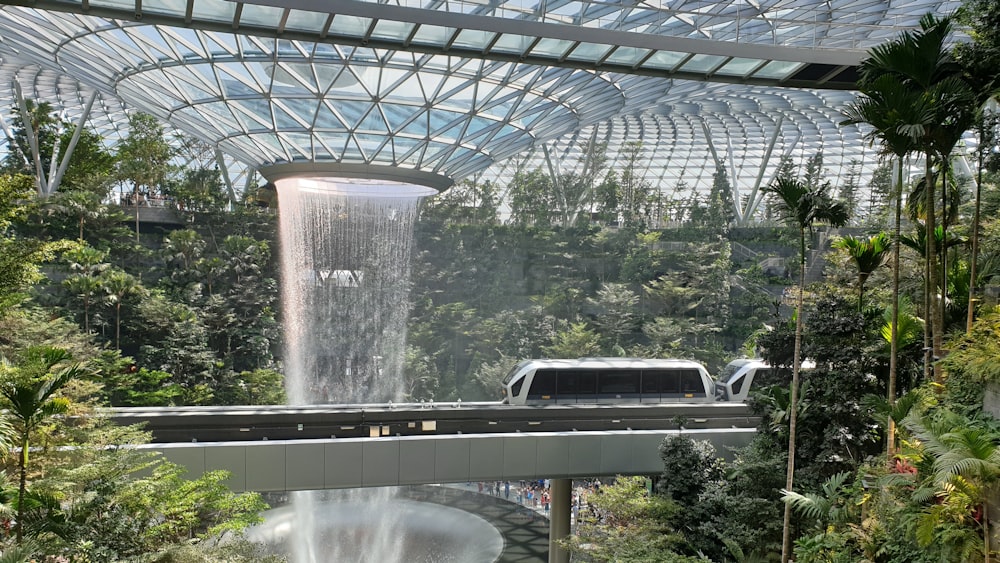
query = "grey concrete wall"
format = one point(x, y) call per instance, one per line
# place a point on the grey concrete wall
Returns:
point(295, 465)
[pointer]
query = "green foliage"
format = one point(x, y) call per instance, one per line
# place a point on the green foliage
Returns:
point(20, 258)
point(631, 527)
point(689, 467)
point(29, 389)
point(974, 360)
point(575, 341)
point(257, 387)
point(828, 508)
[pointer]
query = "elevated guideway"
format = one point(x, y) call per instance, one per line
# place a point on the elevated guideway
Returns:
point(349, 446)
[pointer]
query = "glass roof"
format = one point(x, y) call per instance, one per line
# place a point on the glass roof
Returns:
point(453, 88)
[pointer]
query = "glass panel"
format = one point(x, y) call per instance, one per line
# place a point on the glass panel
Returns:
point(691, 383)
point(588, 383)
point(739, 66)
point(664, 59)
point(737, 385)
point(618, 382)
point(513, 371)
point(300, 20)
point(474, 39)
point(171, 7)
point(569, 383)
point(212, 10)
point(588, 52)
point(388, 29)
point(350, 25)
point(702, 63)
point(778, 69)
point(543, 384)
point(552, 48)
point(264, 16)
point(670, 382)
point(651, 381)
point(120, 4)
point(432, 35)
point(627, 56)
point(509, 43)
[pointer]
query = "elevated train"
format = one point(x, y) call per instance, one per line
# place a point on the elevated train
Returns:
point(577, 395)
point(607, 381)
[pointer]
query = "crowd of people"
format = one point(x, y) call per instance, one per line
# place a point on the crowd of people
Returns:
point(152, 200)
point(536, 494)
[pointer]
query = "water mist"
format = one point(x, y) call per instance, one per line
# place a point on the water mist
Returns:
point(345, 280)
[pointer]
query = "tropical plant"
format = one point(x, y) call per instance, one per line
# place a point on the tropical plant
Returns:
point(868, 255)
point(143, 159)
point(801, 206)
point(827, 508)
point(922, 63)
point(28, 389)
point(966, 471)
point(118, 285)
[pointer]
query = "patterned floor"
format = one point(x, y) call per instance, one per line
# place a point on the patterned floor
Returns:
point(525, 531)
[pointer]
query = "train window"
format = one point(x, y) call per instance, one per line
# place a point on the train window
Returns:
point(515, 389)
point(543, 385)
point(670, 382)
point(737, 383)
point(691, 382)
point(651, 381)
point(569, 383)
point(514, 371)
point(588, 383)
point(618, 382)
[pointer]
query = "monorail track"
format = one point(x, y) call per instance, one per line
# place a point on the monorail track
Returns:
point(251, 423)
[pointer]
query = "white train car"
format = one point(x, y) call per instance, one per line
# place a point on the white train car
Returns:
point(607, 380)
point(739, 376)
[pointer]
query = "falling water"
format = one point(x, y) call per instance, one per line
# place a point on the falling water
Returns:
point(345, 280)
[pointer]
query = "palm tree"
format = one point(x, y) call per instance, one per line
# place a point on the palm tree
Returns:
point(987, 128)
point(801, 206)
point(119, 285)
point(868, 256)
point(921, 62)
point(894, 112)
point(28, 390)
point(88, 262)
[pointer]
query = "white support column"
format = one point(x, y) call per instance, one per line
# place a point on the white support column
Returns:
point(57, 179)
point(755, 196)
point(560, 491)
point(734, 189)
point(29, 132)
point(220, 161)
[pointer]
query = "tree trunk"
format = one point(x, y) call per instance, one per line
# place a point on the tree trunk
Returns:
point(22, 486)
point(118, 324)
point(786, 533)
point(136, 193)
point(970, 314)
point(937, 323)
point(894, 332)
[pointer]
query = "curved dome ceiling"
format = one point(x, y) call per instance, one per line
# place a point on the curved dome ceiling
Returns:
point(454, 88)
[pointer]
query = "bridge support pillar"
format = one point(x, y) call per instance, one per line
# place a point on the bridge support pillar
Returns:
point(561, 501)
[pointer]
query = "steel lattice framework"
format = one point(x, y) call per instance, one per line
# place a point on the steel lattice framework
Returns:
point(435, 91)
